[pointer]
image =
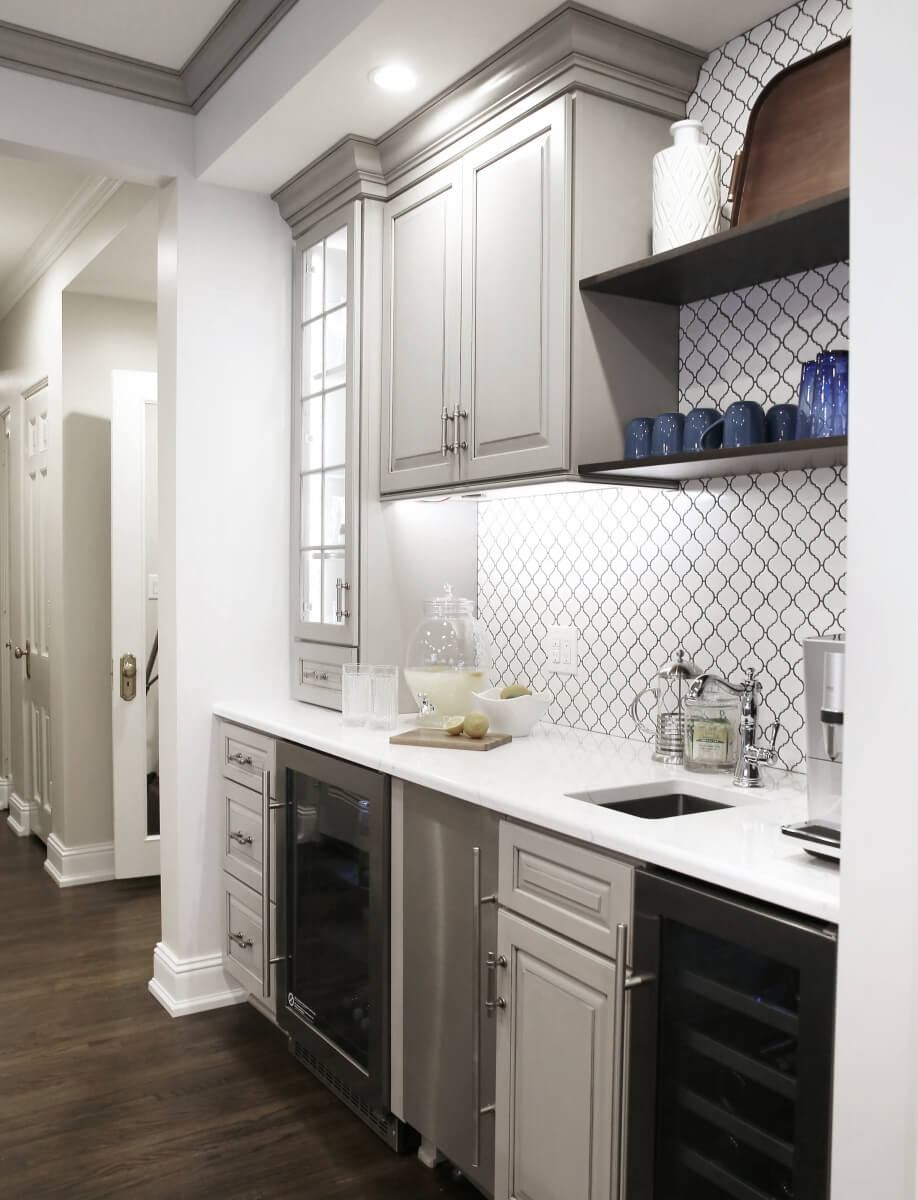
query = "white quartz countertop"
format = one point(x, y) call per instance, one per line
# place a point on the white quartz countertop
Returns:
point(741, 848)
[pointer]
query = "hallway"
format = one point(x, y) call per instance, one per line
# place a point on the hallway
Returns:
point(103, 1094)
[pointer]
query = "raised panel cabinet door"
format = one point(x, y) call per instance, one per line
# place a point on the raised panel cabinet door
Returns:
point(516, 298)
point(554, 1105)
point(421, 282)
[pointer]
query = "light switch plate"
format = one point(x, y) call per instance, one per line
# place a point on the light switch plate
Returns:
point(152, 587)
point(560, 646)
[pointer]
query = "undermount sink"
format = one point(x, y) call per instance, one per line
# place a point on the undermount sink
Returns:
point(653, 808)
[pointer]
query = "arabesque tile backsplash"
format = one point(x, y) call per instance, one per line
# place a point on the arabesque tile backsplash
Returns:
point(737, 571)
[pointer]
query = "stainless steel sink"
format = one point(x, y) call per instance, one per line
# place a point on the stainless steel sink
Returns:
point(653, 808)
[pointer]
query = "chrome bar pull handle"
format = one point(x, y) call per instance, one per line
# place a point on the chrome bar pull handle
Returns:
point(266, 810)
point(623, 984)
point(494, 1001)
point(445, 417)
point(341, 613)
point(244, 839)
point(457, 415)
point(244, 760)
point(240, 939)
point(476, 983)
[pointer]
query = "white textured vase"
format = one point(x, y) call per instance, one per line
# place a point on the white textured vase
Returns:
point(686, 188)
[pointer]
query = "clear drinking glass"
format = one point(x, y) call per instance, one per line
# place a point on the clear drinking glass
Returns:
point(384, 709)
point(356, 693)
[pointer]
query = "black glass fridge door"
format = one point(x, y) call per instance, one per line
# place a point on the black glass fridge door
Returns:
point(329, 985)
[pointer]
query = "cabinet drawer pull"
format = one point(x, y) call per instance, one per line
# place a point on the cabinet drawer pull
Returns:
point(445, 446)
point(341, 613)
point(241, 940)
point(493, 962)
point(244, 760)
point(318, 676)
point(459, 443)
point(244, 839)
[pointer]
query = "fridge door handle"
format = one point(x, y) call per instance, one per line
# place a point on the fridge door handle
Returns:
point(623, 984)
point(476, 978)
point(269, 806)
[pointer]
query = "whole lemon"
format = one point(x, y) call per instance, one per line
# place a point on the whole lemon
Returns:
point(476, 725)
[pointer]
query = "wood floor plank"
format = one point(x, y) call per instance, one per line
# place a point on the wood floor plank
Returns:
point(102, 1094)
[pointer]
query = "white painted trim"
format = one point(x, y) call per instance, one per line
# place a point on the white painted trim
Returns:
point(71, 866)
point(4, 794)
point(20, 818)
point(54, 240)
point(191, 985)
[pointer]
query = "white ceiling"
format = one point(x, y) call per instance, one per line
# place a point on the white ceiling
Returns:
point(32, 196)
point(166, 32)
point(126, 268)
point(442, 42)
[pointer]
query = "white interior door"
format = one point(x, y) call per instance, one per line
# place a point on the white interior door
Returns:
point(134, 739)
point(5, 626)
point(33, 653)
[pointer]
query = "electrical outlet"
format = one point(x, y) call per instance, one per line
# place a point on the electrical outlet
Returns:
point(560, 646)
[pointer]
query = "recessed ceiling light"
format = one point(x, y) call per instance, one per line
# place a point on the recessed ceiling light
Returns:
point(394, 77)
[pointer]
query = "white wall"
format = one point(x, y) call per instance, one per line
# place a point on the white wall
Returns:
point(224, 306)
point(99, 335)
point(876, 1077)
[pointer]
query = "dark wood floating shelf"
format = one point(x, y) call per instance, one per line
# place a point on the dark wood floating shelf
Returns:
point(675, 469)
point(798, 239)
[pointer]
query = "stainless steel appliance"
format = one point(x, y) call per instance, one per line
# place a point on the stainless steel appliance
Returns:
point(450, 977)
point(824, 688)
point(333, 928)
point(726, 1041)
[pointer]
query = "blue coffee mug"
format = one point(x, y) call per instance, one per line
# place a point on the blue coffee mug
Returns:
point(781, 423)
point(637, 437)
point(697, 423)
point(667, 434)
point(743, 425)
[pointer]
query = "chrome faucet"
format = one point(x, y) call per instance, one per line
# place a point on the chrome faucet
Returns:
point(751, 756)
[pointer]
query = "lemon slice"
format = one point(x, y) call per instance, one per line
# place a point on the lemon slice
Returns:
point(513, 690)
point(476, 725)
point(454, 725)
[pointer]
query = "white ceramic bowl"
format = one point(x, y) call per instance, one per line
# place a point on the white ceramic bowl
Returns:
point(516, 716)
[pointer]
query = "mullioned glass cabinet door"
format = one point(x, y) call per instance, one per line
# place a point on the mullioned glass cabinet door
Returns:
point(325, 419)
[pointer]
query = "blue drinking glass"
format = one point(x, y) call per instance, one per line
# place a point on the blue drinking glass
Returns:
point(637, 437)
point(840, 424)
point(806, 394)
point(823, 420)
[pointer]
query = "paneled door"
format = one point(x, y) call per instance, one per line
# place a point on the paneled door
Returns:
point(554, 1107)
point(516, 287)
point(33, 651)
point(135, 749)
point(421, 426)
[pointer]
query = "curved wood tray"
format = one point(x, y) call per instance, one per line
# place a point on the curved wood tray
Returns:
point(797, 139)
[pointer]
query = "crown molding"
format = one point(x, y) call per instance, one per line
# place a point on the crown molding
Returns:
point(573, 47)
point(54, 240)
point(239, 31)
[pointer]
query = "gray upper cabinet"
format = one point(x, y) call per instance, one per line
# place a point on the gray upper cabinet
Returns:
point(420, 395)
point(515, 298)
point(554, 1068)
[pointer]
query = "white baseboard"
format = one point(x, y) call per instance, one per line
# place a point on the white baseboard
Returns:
point(20, 818)
point(72, 866)
point(190, 985)
point(4, 793)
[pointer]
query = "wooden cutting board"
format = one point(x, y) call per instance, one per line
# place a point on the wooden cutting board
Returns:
point(438, 739)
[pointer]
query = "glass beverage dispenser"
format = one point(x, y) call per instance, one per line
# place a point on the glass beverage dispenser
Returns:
point(448, 659)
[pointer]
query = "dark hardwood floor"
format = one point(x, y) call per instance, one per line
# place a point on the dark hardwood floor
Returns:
point(103, 1094)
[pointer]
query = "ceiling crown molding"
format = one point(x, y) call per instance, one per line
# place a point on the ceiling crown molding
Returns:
point(54, 240)
point(573, 47)
point(241, 29)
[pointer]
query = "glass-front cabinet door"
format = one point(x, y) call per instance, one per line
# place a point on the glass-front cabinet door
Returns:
point(326, 406)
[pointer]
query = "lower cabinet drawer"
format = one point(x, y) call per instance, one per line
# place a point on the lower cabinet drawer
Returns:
point(242, 831)
point(568, 888)
point(247, 755)
point(242, 940)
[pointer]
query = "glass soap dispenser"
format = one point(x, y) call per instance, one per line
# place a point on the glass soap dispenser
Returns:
point(448, 659)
